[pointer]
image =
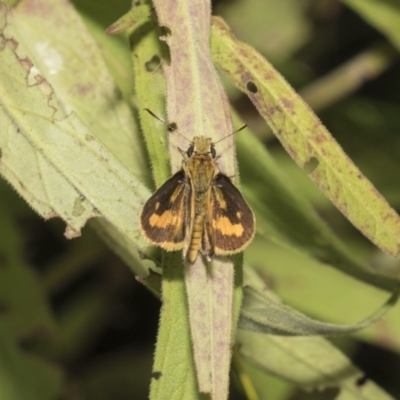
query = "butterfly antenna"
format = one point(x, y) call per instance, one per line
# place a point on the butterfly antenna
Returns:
point(171, 127)
point(233, 133)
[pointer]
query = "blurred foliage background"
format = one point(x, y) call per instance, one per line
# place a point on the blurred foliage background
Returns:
point(342, 56)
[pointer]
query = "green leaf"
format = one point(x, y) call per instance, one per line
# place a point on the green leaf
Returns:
point(173, 369)
point(323, 293)
point(285, 217)
point(200, 109)
point(384, 15)
point(24, 315)
point(308, 362)
point(260, 23)
point(262, 312)
point(131, 20)
point(307, 140)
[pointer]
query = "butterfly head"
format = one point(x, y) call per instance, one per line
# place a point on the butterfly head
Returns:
point(201, 145)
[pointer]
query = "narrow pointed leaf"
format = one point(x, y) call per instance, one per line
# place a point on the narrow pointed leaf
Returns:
point(197, 104)
point(261, 312)
point(307, 140)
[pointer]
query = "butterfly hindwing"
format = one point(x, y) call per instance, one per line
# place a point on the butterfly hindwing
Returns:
point(231, 220)
point(163, 217)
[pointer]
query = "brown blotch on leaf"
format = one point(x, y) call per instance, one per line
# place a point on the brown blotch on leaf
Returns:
point(26, 63)
point(12, 43)
point(39, 79)
point(288, 104)
point(83, 89)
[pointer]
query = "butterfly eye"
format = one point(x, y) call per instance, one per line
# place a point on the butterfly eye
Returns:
point(212, 151)
point(190, 151)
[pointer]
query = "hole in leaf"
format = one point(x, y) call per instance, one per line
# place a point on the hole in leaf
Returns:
point(165, 31)
point(362, 380)
point(156, 375)
point(311, 164)
point(251, 87)
point(153, 64)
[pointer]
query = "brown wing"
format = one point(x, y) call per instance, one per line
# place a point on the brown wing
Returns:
point(163, 218)
point(231, 221)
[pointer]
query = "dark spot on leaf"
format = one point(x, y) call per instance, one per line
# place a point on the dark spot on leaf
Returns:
point(172, 127)
point(311, 164)
point(1, 153)
point(361, 381)
point(251, 87)
point(152, 64)
point(156, 375)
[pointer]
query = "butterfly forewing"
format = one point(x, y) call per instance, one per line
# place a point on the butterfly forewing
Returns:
point(164, 217)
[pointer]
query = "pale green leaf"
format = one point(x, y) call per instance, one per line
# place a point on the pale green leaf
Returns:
point(262, 312)
point(97, 16)
point(323, 293)
point(71, 62)
point(308, 362)
point(55, 161)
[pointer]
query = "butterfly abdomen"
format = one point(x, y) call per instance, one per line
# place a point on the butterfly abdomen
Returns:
point(196, 239)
